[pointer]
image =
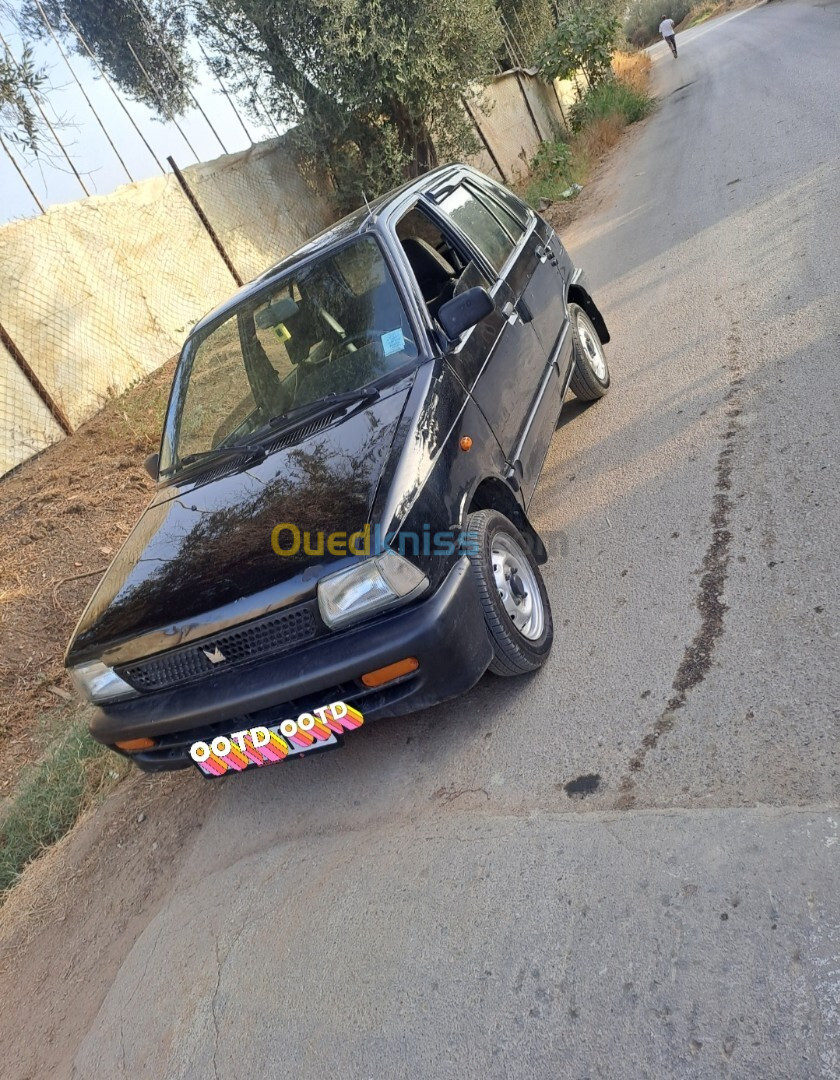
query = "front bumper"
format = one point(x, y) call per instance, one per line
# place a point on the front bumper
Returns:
point(446, 634)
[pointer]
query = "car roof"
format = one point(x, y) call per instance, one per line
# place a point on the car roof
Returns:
point(363, 220)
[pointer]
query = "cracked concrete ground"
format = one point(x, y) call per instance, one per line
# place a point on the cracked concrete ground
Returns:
point(626, 864)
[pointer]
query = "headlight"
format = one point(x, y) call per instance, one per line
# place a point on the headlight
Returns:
point(369, 587)
point(97, 682)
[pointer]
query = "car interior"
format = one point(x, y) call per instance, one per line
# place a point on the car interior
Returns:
point(441, 270)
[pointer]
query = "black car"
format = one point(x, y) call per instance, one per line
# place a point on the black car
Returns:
point(348, 455)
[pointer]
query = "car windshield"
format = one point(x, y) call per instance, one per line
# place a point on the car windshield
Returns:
point(335, 325)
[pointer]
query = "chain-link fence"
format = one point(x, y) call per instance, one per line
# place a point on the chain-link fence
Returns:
point(96, 294)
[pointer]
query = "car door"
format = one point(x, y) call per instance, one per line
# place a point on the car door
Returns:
point(506, 363)
point(536, 273)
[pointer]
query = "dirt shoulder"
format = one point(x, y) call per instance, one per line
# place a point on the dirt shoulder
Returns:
point(77, 911)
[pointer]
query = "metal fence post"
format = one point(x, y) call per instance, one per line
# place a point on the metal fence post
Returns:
point(211, 232)
point(528, 107)
point(55, 409)
point(560, 104)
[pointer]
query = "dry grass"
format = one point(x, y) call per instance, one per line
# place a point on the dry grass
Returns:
point(73, 773)
point(596, 139)
point(633, 68)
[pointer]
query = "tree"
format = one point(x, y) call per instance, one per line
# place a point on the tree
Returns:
point(156, 30)
point(20, 84)
point(374, 87)
point(584, 40)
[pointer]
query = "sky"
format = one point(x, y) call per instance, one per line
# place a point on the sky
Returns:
point(51, 176)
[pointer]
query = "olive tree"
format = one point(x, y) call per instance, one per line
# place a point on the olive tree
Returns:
point(141, 44)
point(21, 82)
point(374, 86)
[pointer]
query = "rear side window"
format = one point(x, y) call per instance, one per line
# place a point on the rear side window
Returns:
point(480, 225)
point(512, 224)
point(515, 207)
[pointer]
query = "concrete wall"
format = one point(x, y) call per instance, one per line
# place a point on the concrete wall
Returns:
point(515, 113)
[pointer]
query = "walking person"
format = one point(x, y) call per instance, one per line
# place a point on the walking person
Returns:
point(669, 33)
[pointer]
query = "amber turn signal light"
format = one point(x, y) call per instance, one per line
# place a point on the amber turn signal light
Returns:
point(129, 745)
point(392, 671)
point(465, 443)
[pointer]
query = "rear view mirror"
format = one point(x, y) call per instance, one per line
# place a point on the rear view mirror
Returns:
point(465, 311)
point(151, 465)
point(276, 313)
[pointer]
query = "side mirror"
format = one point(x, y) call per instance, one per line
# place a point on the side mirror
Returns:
point(151, 465)
point(465, 311)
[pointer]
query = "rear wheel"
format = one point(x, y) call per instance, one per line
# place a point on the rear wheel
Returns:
point(591, 377)
point(516, 607)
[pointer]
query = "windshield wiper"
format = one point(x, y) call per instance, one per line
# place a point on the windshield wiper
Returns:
point(323, 405)
point(236, 449)
point(254, 448)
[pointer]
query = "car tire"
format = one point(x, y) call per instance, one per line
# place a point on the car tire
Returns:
point(511, 589)
point(591, 376)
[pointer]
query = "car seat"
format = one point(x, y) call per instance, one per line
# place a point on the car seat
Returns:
point(435, 276)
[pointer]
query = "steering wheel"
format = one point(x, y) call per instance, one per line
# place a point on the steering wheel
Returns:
point(364, 335)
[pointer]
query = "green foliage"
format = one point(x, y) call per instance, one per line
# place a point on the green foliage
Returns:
point(641, 24)
point(611, 98)
point(20, 81)
point(554, 169)
point(155, 29)
point(554, 159)
point(51, 796)
point(583, 40)
point(373, 85)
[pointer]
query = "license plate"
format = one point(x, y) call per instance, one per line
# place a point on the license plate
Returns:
point(252, 748)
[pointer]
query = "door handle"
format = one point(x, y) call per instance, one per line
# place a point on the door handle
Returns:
point(510, 313)
point(542, 254)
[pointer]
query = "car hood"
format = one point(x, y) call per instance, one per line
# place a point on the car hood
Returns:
point(201, 556)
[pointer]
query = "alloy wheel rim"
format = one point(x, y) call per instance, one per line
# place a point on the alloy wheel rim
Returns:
point(592, 348)
point(517, 586)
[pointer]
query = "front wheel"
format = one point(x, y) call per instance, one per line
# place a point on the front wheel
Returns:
point(591, 377)
point(516, 607)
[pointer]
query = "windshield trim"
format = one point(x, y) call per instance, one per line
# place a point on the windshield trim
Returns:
point(177, 394)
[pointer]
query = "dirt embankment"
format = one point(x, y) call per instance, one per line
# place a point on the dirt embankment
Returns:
point(62, 518)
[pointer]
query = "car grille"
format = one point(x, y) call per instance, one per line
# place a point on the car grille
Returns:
point(269, 636)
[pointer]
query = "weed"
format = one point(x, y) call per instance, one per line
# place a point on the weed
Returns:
point(597, 121)
point(554, 169)
point(615, 101)
point(51, 796)
point(633, 68)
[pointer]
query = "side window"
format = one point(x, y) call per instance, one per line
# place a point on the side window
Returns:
point(515, 207)
point(512, 224)
point(479, 224)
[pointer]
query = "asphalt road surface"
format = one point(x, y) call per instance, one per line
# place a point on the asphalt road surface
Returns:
point(431, 901)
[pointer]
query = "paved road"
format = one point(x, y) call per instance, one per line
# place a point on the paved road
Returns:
point(431, 902)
